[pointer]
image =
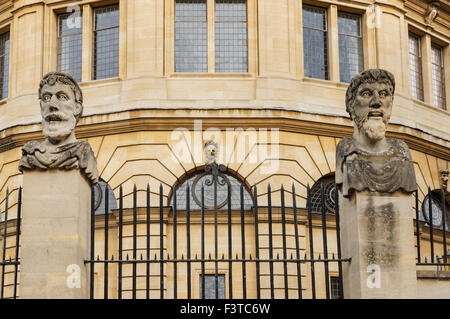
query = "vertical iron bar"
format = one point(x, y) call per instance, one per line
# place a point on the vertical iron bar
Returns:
point(444, 223)
point(255, 208)
point(417, 226)
point(430, 217)
point(5, 227)
point(203, 241)
point(175, 242)
point(230, 244)
point(134, 240)
point(283, 227)
point(311, 242)
point(105, 277)
point(324, 236)
point(338, 240)
point(188, 239)
point(18, 221)
point(147, 266)
point(244, 274)
point(119, 286)
point(91, 274)
point(269, 211)
point(297, 246)
point(161, 243)
point(216, 245)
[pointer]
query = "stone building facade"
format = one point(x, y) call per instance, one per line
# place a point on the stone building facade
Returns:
point(158, 75)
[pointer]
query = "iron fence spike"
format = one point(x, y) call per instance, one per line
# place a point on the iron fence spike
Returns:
point(112, 257)
point(278, 256)
point(141, 256)
point(223, 256)
point(155, 257)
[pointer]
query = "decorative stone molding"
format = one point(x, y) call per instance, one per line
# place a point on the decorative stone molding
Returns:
point(432, 12)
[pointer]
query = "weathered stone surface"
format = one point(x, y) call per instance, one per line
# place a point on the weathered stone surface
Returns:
point(61, 107)
point(369, 160)
point(55, 235)
point(377, 233)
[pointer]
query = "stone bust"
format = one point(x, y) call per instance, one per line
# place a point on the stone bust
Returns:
point(369, 160)
point(61, 103)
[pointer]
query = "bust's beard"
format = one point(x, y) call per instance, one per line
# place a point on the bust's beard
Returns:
point(58, 133)
point(374, 129)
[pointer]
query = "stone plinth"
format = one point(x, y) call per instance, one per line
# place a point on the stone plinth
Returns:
point(55, 235)
point(377, 233)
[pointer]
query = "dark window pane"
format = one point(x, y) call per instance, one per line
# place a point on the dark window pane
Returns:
point(210, 286)
point(106, 37)
point(69, 44)
point(231, 36)
point(335, 288)
point(438, 76)
point(191, 44)
point(4, 64)
point(415, 67)
point(328, 191)
point(315, 50)
point(351, 57)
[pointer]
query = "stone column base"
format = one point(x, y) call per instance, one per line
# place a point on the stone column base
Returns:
point(377, 233)
point(55, 235)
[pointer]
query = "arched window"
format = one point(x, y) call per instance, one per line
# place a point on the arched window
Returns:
point(99, 198)
point(197, 180)
point(328, 191)
point(436, 210)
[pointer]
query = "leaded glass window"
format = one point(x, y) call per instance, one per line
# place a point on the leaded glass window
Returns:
point(191, 36)
point(329, 195)
point(315, 47)
point(231, 35)
point(196, 182)
point(437, 61)
point(335, 287)
point(210, 286)
point(106, 42)
point(4, 64)
point(415, 67)
point(70, 28)
point(100, 198)
point(437, 211)
point(351, 57)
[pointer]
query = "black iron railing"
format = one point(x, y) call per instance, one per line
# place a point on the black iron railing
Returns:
point(431, 225)
point(11, 229)
point(165, 257)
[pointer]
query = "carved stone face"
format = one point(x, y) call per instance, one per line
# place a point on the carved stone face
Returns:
point(58, 111)
point(372, 109)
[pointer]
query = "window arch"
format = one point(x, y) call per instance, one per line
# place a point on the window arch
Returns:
point(99, 198)
point(199, 179)
point(436, 210)
point(329, 193)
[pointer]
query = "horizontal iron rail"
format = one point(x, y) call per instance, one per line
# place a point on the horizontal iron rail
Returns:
point(9, 263)
point(129, 261)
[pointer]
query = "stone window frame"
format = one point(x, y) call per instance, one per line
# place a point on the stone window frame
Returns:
point(6, 28)
point(169, 35)
point(333, 9)
point(51, 38)
point(427, 40)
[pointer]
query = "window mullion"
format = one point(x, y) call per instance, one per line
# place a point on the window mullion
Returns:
point(87, 41)
point(333, 43)
point(210, 10)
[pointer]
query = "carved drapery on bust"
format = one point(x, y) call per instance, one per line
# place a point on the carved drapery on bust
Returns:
point(369, 160)
point(61, 103)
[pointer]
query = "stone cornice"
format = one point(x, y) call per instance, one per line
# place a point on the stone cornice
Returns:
point(158, 120)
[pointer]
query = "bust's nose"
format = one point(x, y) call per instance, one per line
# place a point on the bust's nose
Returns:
point(375, 102)
point(53, 104)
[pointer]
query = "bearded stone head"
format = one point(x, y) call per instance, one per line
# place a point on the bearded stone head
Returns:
point(61, 103)
point(369, 100)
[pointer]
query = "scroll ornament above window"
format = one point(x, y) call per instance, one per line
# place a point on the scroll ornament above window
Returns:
point(61, 103)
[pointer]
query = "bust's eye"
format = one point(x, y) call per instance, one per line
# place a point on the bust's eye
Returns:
point(383, 94)
point(46, 97)
point(366, 94)
point(62, 97)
